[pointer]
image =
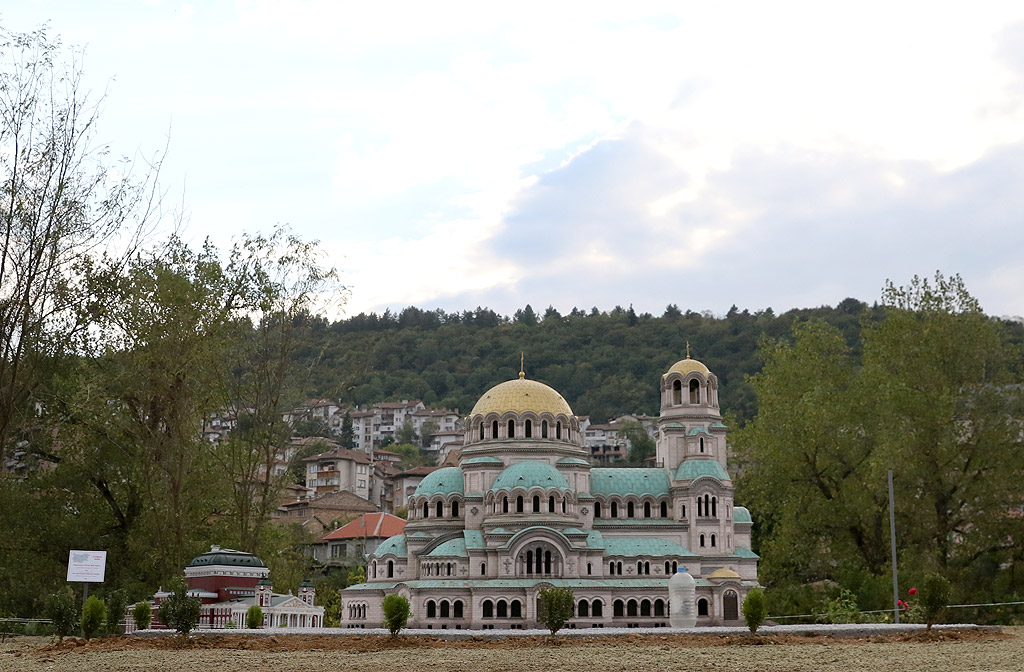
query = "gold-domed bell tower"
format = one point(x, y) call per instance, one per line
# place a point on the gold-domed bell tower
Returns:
point(690, 422)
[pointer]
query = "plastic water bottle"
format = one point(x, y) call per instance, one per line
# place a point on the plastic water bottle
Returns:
point(682, 599)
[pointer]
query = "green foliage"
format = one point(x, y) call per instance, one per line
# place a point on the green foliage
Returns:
point(931, 396)
point(61, 610)
point(329, 597)
point(407, 433)
point(142, 613)
point(556, 606)
point(178, 611)
point(117, 603)
point(402, 512)
point(641, 444)
point(254, 617)
point(840, 609)
point(357, 575)
point(934, 598)
point(396, 613)
point(412, 455)
point(427, 431)
point(755, 609)
point(94, 615)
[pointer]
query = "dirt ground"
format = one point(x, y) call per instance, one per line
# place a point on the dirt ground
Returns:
point(946, 650)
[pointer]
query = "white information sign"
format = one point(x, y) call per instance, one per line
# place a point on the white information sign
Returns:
point(87, 566)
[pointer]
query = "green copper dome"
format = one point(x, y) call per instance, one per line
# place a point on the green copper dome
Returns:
point(394, 545)
point(625, 481)
point(694, 469)
point(226, 556)
point(740, 514)
point(446, 481)
point(530, 474)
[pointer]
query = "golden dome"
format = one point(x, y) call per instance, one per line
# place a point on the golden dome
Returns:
point(685, 366)
point(724, 573)
point(520, 395)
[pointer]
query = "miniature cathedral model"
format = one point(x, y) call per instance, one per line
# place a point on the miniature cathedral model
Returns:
point(525, 510)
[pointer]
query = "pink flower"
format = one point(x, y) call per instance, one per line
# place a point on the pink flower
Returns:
point(912, 591)
point(899, 603)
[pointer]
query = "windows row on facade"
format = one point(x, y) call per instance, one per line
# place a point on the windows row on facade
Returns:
point(692, 393)
point(524, 428)
point(616, 507)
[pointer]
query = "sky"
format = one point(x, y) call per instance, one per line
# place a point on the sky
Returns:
point(453, 155)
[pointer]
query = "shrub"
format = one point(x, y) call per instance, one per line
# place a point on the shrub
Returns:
point(179, 611)
point(117, 603)
point(555, 607)
point(230, 625)
point(840, 609)
point(254, 617)
point(934, 598)
point(755, 609)
point(94, 615)
point(143, 614)
point(61, 610)
point(396, 613)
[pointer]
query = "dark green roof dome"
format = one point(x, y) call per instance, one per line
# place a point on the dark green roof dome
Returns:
point(226, 556)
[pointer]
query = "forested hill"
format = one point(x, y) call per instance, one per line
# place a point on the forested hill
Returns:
point(603, 363)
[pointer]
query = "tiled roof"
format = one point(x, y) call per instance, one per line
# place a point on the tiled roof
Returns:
point(395, 546)
point(486, 459)
point(632, 547)
point(625, 481)
point(693, 469)
point(444, 481)
point(380, 525)
point(451, 548)
point(356, 456)
point(530, 474)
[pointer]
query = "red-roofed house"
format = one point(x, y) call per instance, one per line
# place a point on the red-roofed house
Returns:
point(354, 540)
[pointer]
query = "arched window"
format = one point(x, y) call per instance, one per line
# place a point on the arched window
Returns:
point(683, 511)
point(618, 608)
point(529, 562)
point(519, 504)
point(551, 504)
point(629, 510)
point(659, 607)
point(645, 608)
point(431, 609)
point(502, 609)
point(583, 610)
point(631, 608)
point(694, 392)
point(440, 509)
point(488, 608)
point(444, 609)
point(511, 429)
point(494, 429)
point(597, 509)
point(547, 562)
point(449, 569)
point(639, 567)
point(595, 609)
point(483, 569)
point(702, 607)
point(615, 510)
point(677, 393)
point(426, 509)
point(536, 504)
point(702, 444)
point(667, 568)
point(455, 509)
point(707, 507)
point(712, 541)
point(537, 559)
point(563, 505)
point(647, 568)
point(675, 566)
point(558, 430)
point(700, 506)
point(618, 568)
point(714, 507)
point(481, 431)
point(590, 569)
point(528, 429)
point(664, 509)
point(504, 505)
point(702, 541)
point(647, 509)
point(457, 609)
point(611, 568)
point(516, 609)
point(544, 429)
point(391, 569)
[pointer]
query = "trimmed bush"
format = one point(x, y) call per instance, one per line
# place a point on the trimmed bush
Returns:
point(143, 615)
point(179, 611)
point(396, 613)
point(61, 610)
point(755, 609)
point(117, 604)
point(254, 617)
point(935, 592)
point(94, 615)
point(555, 607)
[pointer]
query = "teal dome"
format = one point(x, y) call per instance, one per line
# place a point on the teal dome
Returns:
point(530, 474)
point(226, 556)
point(740, 514)
point(394, 545)
point(446, 481)
point(694, 469)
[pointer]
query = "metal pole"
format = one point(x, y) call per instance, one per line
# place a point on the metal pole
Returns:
point(892, 542)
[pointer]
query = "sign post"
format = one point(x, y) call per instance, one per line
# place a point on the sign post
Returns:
point(87, 567)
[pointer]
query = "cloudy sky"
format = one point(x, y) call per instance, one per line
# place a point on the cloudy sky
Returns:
point(583, 154)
